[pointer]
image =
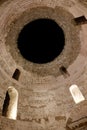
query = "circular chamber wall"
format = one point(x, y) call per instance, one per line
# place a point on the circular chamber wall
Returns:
point(41, 41)
point(83, 2)
point(39, 96)
point(37, 52)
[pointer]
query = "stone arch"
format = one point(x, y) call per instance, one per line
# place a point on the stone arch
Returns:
point(10, 103)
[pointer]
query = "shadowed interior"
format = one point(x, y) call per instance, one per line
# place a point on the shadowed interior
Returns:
point(41, 41)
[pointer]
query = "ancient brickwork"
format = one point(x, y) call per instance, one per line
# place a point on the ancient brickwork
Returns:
point(44, 101)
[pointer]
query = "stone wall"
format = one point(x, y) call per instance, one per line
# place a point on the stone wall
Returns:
point(45, 102)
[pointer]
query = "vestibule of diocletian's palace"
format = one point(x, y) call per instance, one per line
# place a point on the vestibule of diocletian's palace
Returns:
point(43, 64)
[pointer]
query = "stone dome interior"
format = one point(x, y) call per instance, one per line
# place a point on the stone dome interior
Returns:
point(43, 66)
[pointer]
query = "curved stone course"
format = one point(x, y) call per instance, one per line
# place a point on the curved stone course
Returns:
point(44, 102)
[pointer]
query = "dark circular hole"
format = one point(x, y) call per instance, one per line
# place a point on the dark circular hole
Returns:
point(41, 41)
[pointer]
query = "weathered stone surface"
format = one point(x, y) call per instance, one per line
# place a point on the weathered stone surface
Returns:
point(45, 102)
point(78, 117)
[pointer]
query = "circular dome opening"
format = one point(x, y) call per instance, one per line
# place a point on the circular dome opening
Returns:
point(41, 41)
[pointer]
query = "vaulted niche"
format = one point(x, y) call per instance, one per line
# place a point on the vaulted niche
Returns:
point(41, 41)
point(10, 103)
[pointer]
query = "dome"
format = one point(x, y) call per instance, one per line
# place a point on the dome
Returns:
point(43, 50)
